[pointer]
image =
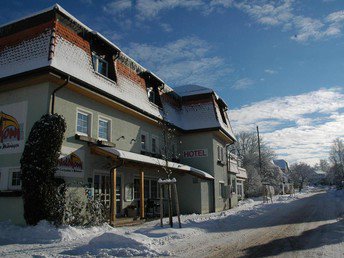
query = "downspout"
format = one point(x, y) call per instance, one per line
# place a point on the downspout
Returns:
point(54, 92)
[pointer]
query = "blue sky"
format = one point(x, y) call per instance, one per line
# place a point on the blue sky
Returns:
point(277, 64)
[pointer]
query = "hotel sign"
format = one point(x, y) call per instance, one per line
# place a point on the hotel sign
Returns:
point(198, 153)
point(12, 127)
point(71, 162)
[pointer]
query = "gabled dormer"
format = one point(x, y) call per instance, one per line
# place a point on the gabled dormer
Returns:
point(153, 87)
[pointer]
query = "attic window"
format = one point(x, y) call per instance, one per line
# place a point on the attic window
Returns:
point(100, 65)
point(223, 115)
point(151, 95)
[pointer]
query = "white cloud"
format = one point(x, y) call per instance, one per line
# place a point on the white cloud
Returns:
point(166, 27)
point(118, 6)
point(301, 127)
point(266, 12)
point(148, 9)
point(282, 13)
point(184, 61)
point(270, 71)
point(242, 84)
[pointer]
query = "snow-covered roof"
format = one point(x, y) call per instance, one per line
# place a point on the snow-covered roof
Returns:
point(320, 172)
point(189, 90)
point(75, 61)
point(283, 164)
point(126, 155)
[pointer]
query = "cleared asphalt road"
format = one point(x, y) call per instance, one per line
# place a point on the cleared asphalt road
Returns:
point(309, 227)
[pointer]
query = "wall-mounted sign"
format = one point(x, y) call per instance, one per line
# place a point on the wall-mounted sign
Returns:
point(71, 162)
point(200, 153)
point(12, 127)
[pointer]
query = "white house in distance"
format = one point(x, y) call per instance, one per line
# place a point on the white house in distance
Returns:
point(287, 184)
point(50, 62)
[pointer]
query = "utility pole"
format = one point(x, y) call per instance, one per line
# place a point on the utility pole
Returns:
point(260, 157)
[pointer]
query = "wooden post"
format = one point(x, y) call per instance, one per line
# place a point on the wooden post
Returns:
point(177, 203)
point(161, 204)
point(113, 197)
point(170, 210)
point(142, 195)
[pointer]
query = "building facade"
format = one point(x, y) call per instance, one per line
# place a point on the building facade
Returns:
point(287, 183)
point(121, 119)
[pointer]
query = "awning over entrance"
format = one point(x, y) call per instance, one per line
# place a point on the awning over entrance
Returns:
point(126, 155)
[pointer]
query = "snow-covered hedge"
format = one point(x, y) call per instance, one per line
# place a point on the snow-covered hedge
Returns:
point(43, 194)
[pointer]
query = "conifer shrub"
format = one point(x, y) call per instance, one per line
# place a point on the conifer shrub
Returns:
point(43, 194)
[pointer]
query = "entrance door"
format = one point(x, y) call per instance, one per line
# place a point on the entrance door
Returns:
point(102, 185)
point(102, 188)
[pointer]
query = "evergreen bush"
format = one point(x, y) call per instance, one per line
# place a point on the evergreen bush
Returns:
point(43, 194)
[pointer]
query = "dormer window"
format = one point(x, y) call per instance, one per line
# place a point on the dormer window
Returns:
point(100, 65)
point(151, 95)
point(223, 115)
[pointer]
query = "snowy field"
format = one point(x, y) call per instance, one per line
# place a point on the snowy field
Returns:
point(198, 235)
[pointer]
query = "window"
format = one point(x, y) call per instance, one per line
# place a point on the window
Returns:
point(223, 115)
point(220, 156)
point(83, 123)
point(104, 129)
point(151, 188)
point(100, 65)
point(222, 189)
point(15, 179)
point(102, 188)
point(233, 185)
point(151, 95)
point(144, 141)
point(155, 144)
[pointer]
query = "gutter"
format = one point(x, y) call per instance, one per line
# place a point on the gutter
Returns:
point(54, 92)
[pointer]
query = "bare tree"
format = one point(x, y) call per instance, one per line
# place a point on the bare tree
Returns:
point(337, 160)
point(300, 173)
point(247, 147)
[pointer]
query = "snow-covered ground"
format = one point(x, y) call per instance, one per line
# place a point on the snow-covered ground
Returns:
point(198, 235)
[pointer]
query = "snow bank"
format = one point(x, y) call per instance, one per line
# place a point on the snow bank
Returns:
point(145, 240)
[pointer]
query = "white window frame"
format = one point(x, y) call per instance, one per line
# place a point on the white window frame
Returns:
point(146, 134)
point(10, 172)
point(108, 120)
point(149, 179)
point(90, 121)
point(95, 65)
point(220, 154)
point(156, 138)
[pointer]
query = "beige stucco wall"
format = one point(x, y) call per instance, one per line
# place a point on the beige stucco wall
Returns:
point(37, 104)
point(12, 209)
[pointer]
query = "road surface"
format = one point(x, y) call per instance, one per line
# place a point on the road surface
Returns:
point(312, 226)
point(307, 225)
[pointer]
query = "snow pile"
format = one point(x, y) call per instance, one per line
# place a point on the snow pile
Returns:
point(42, 233)
point(145, 240)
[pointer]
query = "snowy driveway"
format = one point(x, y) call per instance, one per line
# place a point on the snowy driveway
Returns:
point(307, 225)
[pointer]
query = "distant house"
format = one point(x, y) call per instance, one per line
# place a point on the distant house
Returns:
point(286, 184)
point(114, 108)
point(317, 177)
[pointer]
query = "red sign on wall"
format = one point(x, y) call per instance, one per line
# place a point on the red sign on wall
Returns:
point(200, 153)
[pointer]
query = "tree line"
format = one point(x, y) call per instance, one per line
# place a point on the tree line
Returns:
point(300, 173)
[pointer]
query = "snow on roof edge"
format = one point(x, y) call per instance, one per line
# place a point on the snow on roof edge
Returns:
point(155, 161)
